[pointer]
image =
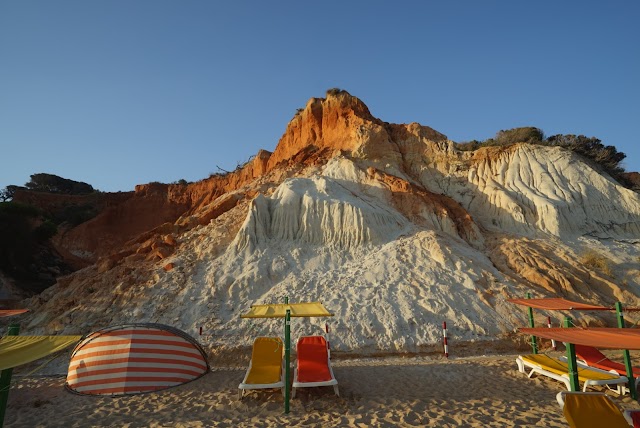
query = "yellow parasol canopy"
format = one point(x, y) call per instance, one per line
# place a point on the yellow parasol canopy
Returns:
point(278, 310)
point(18, 350)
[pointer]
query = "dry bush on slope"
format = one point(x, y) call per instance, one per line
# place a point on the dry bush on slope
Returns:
point(594, 260)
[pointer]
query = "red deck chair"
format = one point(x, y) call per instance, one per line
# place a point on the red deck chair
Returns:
point(597, 359)
point(594, 358)
point(313, 366)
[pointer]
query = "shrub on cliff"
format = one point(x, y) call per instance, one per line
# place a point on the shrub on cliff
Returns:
point(608, 157)
point(7, 193)
point(527, 134)
point(17, 236)
point(74, 214)
point(50, 183)
point(591, 147)
point(594, 260)
point(505, 137)
point(69, 212)
point(45, 231)
point(336, 91)
point(469, 146)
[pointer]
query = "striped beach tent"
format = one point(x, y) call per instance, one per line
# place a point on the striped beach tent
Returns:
point(134, 358)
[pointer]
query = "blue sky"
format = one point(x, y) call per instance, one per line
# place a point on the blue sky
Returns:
point(118, 93)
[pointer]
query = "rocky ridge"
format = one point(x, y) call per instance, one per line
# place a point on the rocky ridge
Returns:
point(388, 224)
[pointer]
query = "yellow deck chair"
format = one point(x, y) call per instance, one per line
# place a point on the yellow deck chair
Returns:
point(591, 410)
point(555, 369)
point(265, 368)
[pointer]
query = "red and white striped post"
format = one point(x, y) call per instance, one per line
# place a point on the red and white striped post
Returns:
point(326, 329)
point(553, 342)
point(444, 335)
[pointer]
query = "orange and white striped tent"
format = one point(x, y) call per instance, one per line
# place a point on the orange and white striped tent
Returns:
point(134, 358)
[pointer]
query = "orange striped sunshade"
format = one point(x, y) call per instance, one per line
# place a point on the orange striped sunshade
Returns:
point(602, 338)
point(11, 312)
point(557, 304)
point(134, 358)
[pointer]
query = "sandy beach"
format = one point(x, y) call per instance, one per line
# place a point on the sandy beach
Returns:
point(391, 391)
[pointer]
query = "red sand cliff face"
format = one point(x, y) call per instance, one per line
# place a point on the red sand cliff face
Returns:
point(146, 264)
point(324, 123)
point(52, 202)
point(150, 206)
point(340, 123)
point(343, 123)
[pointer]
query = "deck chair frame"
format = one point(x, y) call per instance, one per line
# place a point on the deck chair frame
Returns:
point(523, 365)
point(620, 388)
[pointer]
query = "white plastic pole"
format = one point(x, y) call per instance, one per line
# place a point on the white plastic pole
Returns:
point(553, 342)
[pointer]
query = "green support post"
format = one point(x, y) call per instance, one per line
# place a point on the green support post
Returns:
point(534, 340)
point(627, 357)
point(571, 360)
point(287, 357)
point(5, 379)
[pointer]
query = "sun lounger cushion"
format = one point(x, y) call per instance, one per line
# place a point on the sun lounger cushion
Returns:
point(312, 360)
point(560, 368)
point(266, 361)
point(592, 410)
point(313, 365)
point(265, 369)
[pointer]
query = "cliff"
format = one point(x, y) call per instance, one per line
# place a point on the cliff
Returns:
point(388, 224)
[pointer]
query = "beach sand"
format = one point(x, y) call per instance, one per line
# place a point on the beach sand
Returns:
point(485, 391)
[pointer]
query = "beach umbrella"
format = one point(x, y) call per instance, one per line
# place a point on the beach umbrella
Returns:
point(287, 311)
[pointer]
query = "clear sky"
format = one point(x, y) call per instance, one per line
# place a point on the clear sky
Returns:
point(118, 93)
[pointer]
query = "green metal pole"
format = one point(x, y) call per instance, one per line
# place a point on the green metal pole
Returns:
point(572, 362)
point(627, 357)
point(287, 357)
point(534, 340)
point(5, 379)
